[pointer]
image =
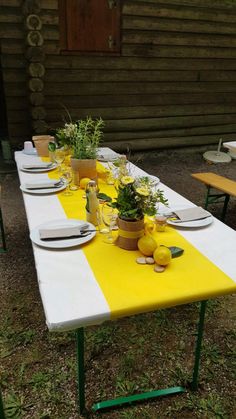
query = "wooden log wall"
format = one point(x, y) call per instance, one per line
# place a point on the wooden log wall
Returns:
point(13, 62)
point(173, 84)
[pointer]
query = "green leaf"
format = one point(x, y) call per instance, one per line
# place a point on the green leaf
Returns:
point(176, 251)
point(51, 146)
point(104, 197)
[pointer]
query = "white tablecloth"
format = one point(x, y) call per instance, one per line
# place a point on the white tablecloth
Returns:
point(70, 293)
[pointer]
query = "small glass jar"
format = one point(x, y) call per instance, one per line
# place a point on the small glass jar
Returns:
point(160, 221)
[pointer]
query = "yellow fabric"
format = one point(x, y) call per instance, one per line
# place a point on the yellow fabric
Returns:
point(131, 288)
point(130, 234)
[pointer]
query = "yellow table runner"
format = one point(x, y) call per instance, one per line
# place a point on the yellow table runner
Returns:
point(130, 288)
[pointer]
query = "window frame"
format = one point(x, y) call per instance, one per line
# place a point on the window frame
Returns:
point(63, 43)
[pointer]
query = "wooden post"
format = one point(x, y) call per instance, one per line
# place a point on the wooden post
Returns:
point(35, 55)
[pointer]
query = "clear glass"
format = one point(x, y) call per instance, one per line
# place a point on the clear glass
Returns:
point(111, 176)
point(59, 157)
point(122, 167)
point(109, 218)
point(67, 178)
point(73, 186)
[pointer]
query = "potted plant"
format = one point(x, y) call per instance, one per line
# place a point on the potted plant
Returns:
point(83, 137)
point(135, 198)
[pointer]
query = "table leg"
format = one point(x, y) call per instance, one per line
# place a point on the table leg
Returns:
point(225, 207)
point(4, 246)
point(127, 400)
point(2, 414)
point(80, 366)
point(207, 197)
point(194, 384)
point(212, 198)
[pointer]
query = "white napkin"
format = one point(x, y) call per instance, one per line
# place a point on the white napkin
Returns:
point(106, 154)
point(191, 214)
point(61, 231)
point(42, 165)
point(41, 184)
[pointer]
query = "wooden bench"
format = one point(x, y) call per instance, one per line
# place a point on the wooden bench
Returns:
point(226, 186)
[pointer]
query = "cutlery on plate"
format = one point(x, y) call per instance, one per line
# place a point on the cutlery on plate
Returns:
point(37, 168)
point(56, 185)
point(75, 236)
point(178, 221)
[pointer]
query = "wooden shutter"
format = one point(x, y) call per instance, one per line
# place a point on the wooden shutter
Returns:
point(90, 26)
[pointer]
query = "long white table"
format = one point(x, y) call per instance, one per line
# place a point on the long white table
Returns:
point(73, 297)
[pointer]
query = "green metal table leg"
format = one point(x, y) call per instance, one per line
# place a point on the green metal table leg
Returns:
point(223, 214)
point(80, 366)
point(127, 400)
point(2, 414)
point(207, 197)
point(4, 246)
point(121, 401)
point(194, 384)
point(211, 198)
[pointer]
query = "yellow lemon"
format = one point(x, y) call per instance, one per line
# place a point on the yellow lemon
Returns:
point(83, 182)
point(147, 245)
point(162, 255)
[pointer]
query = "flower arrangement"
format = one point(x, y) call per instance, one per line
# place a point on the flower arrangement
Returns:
point(136, 197)
point(65, 136)
point(82, 136)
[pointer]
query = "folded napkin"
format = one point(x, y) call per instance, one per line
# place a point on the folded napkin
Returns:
point(106, 154)
point(191, 214)
point(43, 184)
point(41, 165)
point(61, 231)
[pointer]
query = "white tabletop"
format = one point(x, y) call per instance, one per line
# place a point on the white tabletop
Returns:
point(70, 293)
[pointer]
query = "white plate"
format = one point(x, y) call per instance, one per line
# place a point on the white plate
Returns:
point(167, 212)
point(61, 244)
point(46, 169)
point(42, 191)
point(192, 224)
point(31, 152)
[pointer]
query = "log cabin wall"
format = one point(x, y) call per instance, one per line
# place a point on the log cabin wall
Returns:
point(13, 64)
point(172, 85)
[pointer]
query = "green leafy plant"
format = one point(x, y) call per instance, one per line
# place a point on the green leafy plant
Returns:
point(136, 197)
point(16, 406)
point(82, 136)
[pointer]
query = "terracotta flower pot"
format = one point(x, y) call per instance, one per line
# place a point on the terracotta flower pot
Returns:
point(129, 232)
point(83, 168)
point(41, 144)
